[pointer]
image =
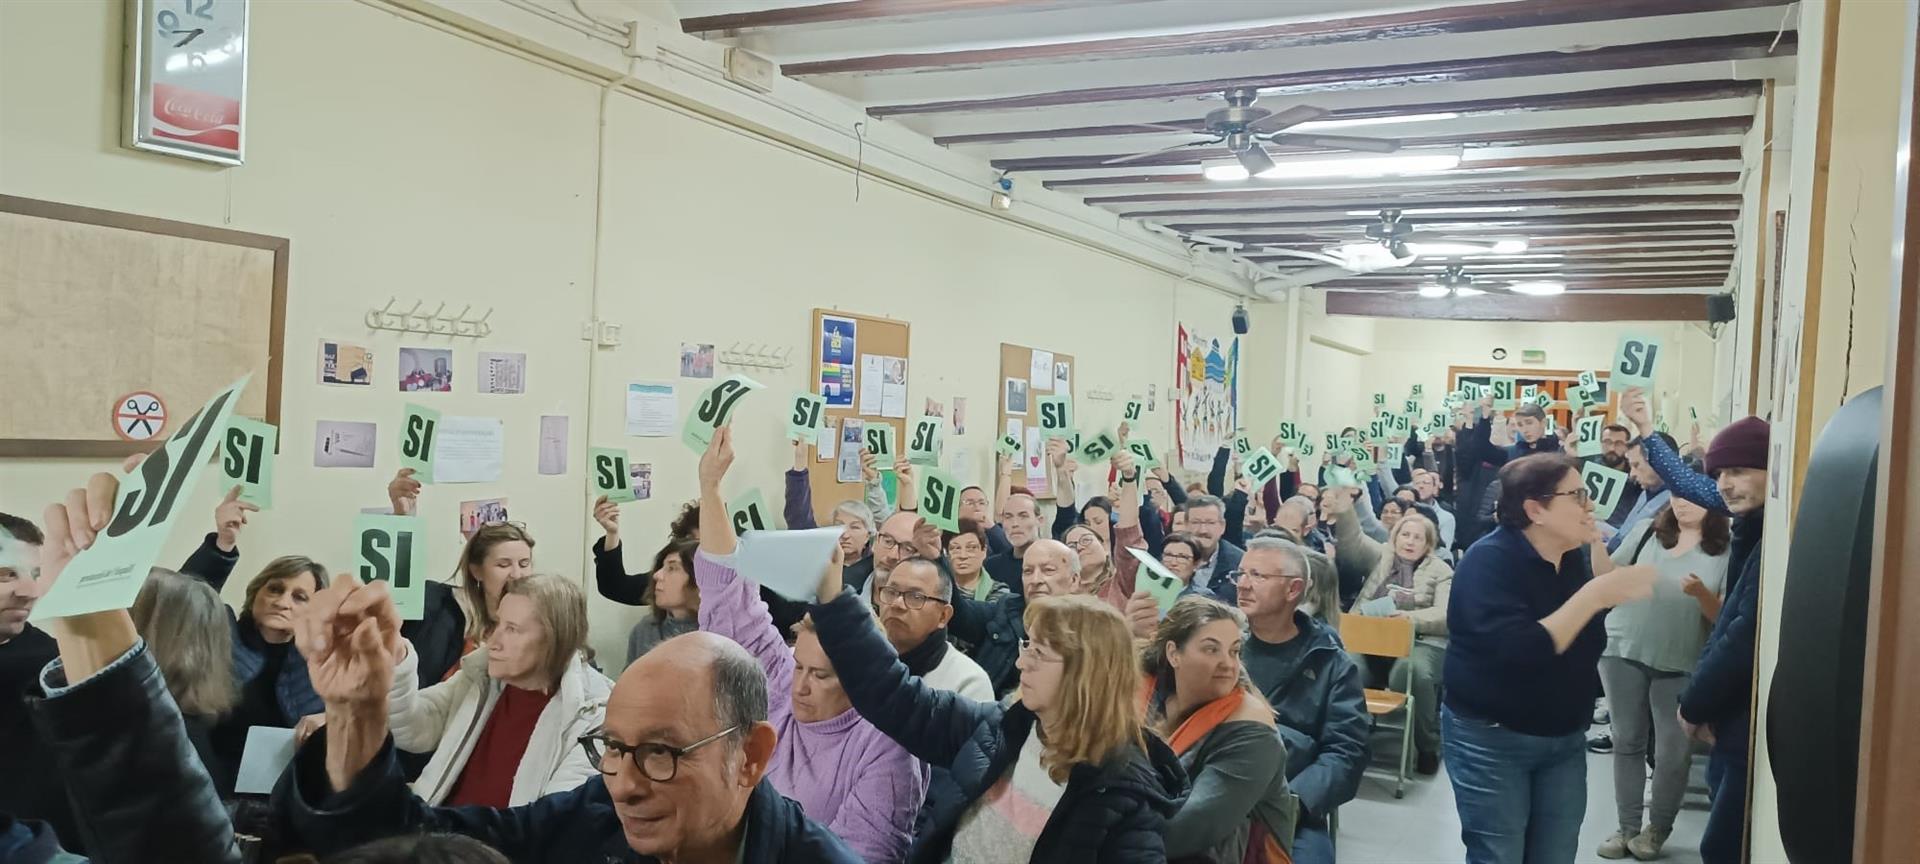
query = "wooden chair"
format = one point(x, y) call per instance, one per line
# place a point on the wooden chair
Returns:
point(1385, 637)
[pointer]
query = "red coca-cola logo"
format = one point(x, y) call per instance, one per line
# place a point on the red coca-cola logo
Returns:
point(196, 116)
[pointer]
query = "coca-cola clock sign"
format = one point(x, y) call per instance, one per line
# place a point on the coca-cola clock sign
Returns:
point(187, 88)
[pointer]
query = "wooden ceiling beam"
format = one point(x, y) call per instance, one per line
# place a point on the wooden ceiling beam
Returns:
point(1517, 221)
point(1382, 202)
point(1479, 18)
point(1677, 52)
point(1371, 187)
point(1468, 165)
point(1573, 285)
point(1511, 307)
point(850, 10)
point(1606, 97)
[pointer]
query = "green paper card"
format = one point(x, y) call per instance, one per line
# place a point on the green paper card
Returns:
point(749, 513)
point(1541, 398)
point(247, 460)
point(1333, 441)
point(1143, 456)
point(1503, 393)
point(1009, 445)
point(1095, 448)
point(1157, 581)
point(1290, 432)
point(1379, 400)
point(1419, 390)
point(611, 478)
point(1578, 398)
point(803, 422)
point(1056, 416)
point(108, 574)
point(1377, 428)
point(714, 410)
point(1242, 446)
point(880, 443)
point(1363, 459)
point(1411, 407)
point(940, 499)
point(923, 440)
point(1306, 448)
point(393, 549)
point(1402, 424)
point(1589, 429)
point(1338, 475)
point(1134, 407)
point(1590, 381)
point(1527, 391)
point(416, 441)
point(1261, 468)
point(1634, 360)
point(1604, 486)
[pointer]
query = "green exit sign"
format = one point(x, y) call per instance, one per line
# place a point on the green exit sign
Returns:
point(1533, 355)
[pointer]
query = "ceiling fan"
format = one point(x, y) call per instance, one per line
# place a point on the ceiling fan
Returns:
point(1243, 126)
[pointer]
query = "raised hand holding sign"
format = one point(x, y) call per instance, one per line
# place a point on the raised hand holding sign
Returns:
point(804, 421)
point(880, 442)
point(1143, 454)
point(608, 468)
point(1095, 448)
point(940, 500)
point(1503, 393)
point(1009, 445)
point(1588, 430)
point(1261, 468)
point(247, 459)
point(714, 410)
point(416, 441)
point(393, 549)
point(923, 444)
point(1056, 416)
point(1634, 360)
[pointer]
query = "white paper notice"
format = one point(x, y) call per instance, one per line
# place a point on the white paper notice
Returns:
point(269, 749)
point(789, 562)
point(852, 444)
point(1063, 378)
point(470, 450)
point(651, 410)
point(823, 443)
point(1036, 456)
point(963, 464)
point(1040, 376)
point(893, 387)
point(502, 373)
point(553, 444)
point(871, 386)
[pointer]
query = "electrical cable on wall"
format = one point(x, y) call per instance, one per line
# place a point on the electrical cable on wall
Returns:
point(859, 156)
point(1853, 292)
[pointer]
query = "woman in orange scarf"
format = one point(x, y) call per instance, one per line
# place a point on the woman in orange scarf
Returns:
point(1198, 699)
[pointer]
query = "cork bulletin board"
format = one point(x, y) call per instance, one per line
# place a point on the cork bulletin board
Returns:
point(876, 336)
point(100, 305)
point(1016, 364)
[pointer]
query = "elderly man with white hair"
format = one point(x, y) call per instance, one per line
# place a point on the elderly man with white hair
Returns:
point(995, 629)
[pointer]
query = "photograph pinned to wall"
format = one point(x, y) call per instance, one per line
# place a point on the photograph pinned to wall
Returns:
point(469, 450)
point(344, 444)
point(344, 363)
point(839, 349)
point(1016, 396)
point(853, 442)
point(871, 385)
point(934, 408)
point(1040, 371)
point(651, 409)
point(959, 415)
point(823, 443)
point(1206, 397)
point(893, 387)
point(553, 444)
point(641, 476)
point(426, 370)
point(502, 373)
point(1062, 377)
point(484, 511)
point(1152, 391)
point(696, 360)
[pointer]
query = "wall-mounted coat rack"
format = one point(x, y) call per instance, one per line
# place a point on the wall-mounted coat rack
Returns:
point(757, 356)
point(435, 323)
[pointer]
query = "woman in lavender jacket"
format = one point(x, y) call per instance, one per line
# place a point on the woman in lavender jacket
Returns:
point(844, 773)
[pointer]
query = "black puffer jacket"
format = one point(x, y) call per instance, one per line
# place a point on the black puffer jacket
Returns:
point(140, 790)
point(1112, 812)
point(994, 628)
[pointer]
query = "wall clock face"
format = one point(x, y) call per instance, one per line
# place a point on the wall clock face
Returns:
point(187, 82)
point(1499, 353)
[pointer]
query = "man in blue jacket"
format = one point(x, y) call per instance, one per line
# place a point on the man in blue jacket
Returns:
point(1716, 705)
point(683, 758)
point(1313, 685)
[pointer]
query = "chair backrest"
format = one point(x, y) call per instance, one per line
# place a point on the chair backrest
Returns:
point(1377, 637)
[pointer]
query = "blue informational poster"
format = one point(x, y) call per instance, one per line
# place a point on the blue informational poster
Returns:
point(838, 348)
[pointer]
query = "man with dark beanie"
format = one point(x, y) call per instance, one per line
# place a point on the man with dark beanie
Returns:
point(1715, 705)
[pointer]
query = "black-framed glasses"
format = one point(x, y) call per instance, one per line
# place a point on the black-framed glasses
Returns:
point(888, 542)
point(915, 600)
point(659, 762)
point(1580, 496)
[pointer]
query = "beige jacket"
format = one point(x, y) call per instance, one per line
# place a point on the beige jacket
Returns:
point(1432, 580)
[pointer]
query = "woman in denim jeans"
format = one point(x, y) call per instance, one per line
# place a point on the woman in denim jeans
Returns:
point(1525, 624)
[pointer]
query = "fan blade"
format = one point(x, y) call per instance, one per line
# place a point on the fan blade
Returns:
point(1335, 142)
point(1310, 276)
point(1297, 253)
point(1204, 240)
point(1255, 159)
point(1286, 119)
point(1125, 159)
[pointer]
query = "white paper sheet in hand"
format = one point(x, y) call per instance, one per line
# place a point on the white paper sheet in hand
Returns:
point(788, 562)
point(1378, 607)
point(269, 749)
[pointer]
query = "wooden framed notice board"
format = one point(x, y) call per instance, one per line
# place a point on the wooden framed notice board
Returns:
point(840, 341)
point(111, 310)
point(1021, 382)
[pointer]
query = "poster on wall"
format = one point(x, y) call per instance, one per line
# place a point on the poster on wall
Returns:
point(189, 89)
point(1205, 396)
point(839, 342)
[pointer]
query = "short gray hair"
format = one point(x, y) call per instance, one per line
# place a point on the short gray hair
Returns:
point(1197, 501)
point(858, 510)
point(1284, 547)
point(739, 690)
point(941, 569)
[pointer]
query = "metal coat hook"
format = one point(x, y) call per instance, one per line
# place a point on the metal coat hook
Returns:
point(757, 355)
point(436, 322)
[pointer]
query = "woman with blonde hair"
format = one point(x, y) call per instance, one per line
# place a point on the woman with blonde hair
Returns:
point(1198, 697)
point(1064, 772)
point(503, 730)
point(458, 613)
point(184, 622)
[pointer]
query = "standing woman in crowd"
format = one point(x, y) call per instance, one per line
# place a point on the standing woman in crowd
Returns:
point(1652, 646)
point(184, 622)
point(1072, 748)
point(671, 604)
point(1408, 573)
point(1525, 623)
point(503, 730)
point(1200, 701)
point(967, 552)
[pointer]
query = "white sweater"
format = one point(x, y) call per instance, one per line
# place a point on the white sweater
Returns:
point(447, 718)
point(957, 673)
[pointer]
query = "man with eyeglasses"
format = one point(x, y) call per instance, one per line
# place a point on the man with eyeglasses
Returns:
point(682, 758)
point(1313, 685)
point(1207, 522)
point(995, 628)
point(915, 602)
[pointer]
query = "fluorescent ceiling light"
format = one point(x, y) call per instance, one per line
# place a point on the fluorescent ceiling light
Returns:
point(1434, 291)
point(1224, 170)
point(1513, 246)
point(1445, 249)
point(1468, 292)
point(1363, 166)
point(1375, 121)
point(1537, 289)
point(1438, 211)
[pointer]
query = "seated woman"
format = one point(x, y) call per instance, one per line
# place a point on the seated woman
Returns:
point(967, 552)
point(1064, 772)
point(184, 622)
point(269, 675)
point(1199, 699)
point(844, 773)
point(1408, 575)
point(460, 612)
point(504, 730)
point(671, 602)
